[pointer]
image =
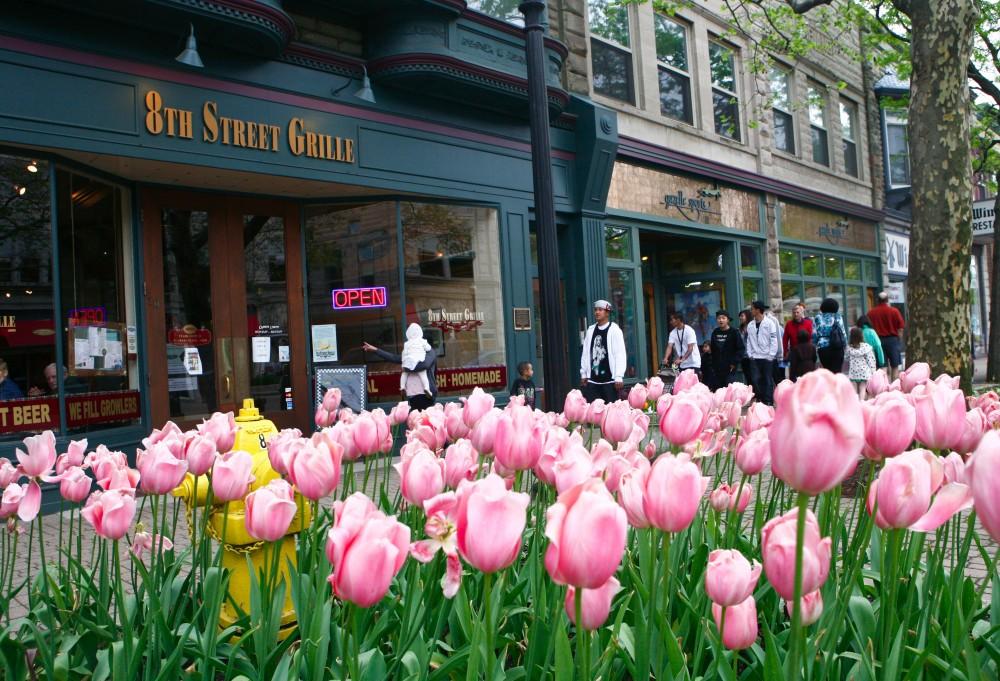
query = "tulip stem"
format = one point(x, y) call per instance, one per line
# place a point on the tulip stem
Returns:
point(41, 548)
point(794, 669)
point(488, 623)
point(582, 636)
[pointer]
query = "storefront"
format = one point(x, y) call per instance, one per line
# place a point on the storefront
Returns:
point(678, 243)
point(823, 254)
point(179, 240)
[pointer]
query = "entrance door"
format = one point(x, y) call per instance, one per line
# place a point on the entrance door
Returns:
point(223, 297)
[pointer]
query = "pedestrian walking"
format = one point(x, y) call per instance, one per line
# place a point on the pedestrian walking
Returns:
point(860, 361)
point(762, 348)
point(602, 358)
point(798, 322)
point(871, 337)
point(682, 345)
point(888, 324)
point(779, 359)
point(829, 336)
point(802, 358)
point(727, 350)
point(745, 318)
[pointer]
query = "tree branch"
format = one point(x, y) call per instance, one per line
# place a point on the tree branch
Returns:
point(885, 26)
point(985, 83)
point(803, 6)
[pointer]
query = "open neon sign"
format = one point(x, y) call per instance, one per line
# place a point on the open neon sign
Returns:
point(354, 298)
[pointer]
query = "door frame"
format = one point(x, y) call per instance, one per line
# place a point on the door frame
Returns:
point(228, 276)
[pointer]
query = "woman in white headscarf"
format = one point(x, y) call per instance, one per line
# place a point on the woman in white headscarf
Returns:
point(419, 378)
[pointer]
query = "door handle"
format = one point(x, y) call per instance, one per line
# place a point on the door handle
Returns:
point(228, 383)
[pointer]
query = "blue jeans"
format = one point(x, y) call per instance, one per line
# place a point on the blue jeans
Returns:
point(762, 376)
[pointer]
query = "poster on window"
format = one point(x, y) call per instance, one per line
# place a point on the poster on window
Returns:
point(324, 342)
point(698, 309)
point(96, 350)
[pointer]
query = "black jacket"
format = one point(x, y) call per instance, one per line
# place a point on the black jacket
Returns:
point(727, 348)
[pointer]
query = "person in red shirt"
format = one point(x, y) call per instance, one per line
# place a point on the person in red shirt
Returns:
point(798, 322)
point(888, 324)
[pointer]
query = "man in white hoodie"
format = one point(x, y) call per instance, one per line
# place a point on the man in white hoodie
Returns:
point(602, 360)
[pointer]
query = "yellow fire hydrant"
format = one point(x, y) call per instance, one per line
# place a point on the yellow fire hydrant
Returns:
point(253, 431)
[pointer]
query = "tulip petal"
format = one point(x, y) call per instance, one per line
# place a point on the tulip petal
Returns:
point(952, 498)
point(452, 577)
point(31, 503)
point(424, 550)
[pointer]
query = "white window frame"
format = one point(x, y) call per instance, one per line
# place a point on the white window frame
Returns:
point(851, 109)
point(897, 118)
point(628, 49)
point(817, 88)
point(789, 75)
point(733, 54)
point(686, 75)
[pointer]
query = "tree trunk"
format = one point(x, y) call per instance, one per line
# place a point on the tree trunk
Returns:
point(938, 331)
point(993, 351)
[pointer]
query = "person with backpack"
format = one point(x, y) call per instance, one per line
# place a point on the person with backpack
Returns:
point(830, 336)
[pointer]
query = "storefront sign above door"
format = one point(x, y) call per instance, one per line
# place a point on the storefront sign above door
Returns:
point(815, 225)
point(216, 128)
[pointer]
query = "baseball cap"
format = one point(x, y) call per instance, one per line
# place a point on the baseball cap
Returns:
point(602, 305)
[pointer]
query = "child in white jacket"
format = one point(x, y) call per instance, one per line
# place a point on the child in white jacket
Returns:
point(415, 349)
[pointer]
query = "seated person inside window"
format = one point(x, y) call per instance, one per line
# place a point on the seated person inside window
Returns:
point(9, 390)
point(71, 384)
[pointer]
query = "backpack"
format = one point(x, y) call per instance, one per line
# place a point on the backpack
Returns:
point(837, 339)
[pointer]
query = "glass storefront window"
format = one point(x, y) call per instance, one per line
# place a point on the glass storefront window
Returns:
point(871, 272)
point(813, 297)
point(836, 291)
point(854, 310)
point(749, 257)
point(452, 268)
point(789, 261)
point(751, 292)
point(621, 284)
point(791, 295)
point(811, 265)
point(505, 10)
point(618, 242)
point(353, 247)
point(99, 378)
point(694, 256)
point(852, 269)
point(834, 268)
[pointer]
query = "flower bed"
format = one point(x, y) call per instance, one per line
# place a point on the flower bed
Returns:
point(519, 544)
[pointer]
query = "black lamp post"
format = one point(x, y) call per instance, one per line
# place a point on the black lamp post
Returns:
point(555, 373)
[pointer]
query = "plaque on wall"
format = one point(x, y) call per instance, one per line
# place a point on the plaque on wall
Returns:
point(353, 384)
point(522, 319)
point(826, 228)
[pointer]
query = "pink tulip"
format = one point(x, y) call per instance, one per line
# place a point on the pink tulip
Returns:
point(342, 433)
point(315, 469)
point(916, 374)
point(983, 471)
point(453, 421)
point(890, 422)
point(595, 412)
point(759, 415)
point(199, 452)
point(631, 495)
point(331, 399)
point(685, 381)
point(753, 452)
point(725, 498)
point(674, 488)
point(221, 428)
point(682, 418)
point(159, 471)
point(366, 549)
point(270, 510)
point(421, 476)
point(75, 485)
point(441, 534)
point(399, 413)
point(366, 437)
point(518, 440)
point(573, 467)
point(954, 468)
point(144, 542)
point(114, 474)
point(638, 395)
point(940, 415)
point(617, 424)
point(975, 426)
point(741, 624)
point(461, 462)
point(587, 532)
point(478, 403)
point(110, 513)
point(73, 456)
point(730, 578)
point(949, 381)
point(902, 494)
point(595, 604)
point(41, 455)
point(323, 418)
point(25, 500)
point(819, 414)
point(811, 608)
point(8, 473)
point(281, 448)
point(878, 383)
point(778, 549)
point(490, 521)
point(171, 434)
point(232, 475)
point(575, 406)
point(654, 388)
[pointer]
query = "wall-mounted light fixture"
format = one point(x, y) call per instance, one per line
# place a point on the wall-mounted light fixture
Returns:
point(189, 55)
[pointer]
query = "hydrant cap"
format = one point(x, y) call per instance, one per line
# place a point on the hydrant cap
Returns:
point(248, 412)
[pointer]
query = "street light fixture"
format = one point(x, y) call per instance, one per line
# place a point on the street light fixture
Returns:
point(555, 373)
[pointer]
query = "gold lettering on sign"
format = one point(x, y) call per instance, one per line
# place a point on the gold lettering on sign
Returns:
point(7, 322)
point(237, 132)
